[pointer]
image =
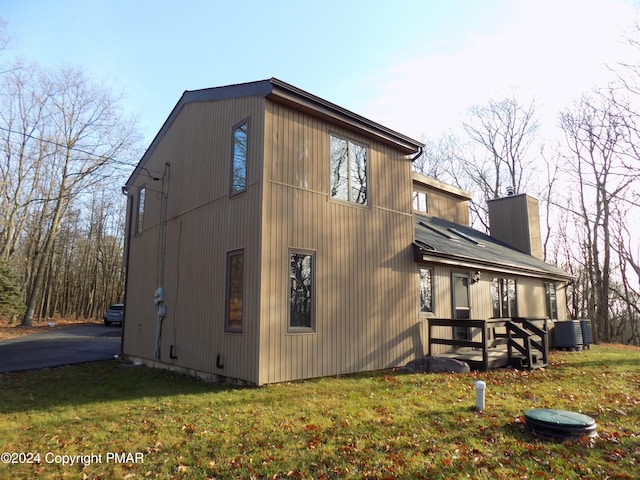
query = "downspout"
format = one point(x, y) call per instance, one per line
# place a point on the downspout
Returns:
point(127, 249)
point(161, 308)
point(418, 155)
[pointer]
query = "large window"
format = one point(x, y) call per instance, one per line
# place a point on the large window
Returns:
point(235, 291)
point(504, 298)
point(140, 219)
point(239, 160)
point(551, 303)
point(348, 171)
point(425, 285)
point(301, 291)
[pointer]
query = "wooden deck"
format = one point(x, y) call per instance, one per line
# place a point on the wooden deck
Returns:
point(518, 342)
point(496, 358)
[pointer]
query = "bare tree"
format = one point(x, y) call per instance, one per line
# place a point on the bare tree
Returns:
point(438, 157)
point(497, 156)
point(85, 131)
point(62, 136)
point(599, 143)
point(505, 129)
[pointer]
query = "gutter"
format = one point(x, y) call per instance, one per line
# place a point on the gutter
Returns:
point(420, 255)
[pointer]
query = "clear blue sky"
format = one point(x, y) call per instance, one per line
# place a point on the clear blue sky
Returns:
point(414, 66)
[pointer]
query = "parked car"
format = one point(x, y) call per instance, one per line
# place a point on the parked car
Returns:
point(114, 314)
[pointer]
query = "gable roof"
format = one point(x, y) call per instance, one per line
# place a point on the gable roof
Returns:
point(281, 92)
point(440, 241)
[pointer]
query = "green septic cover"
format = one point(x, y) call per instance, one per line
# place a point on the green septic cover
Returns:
point(559, 417)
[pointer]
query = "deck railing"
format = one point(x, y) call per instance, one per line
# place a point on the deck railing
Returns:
point(526, 336)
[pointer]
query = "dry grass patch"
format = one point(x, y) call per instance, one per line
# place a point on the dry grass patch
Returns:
point(380, 425)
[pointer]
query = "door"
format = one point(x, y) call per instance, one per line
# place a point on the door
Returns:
point(461, 304)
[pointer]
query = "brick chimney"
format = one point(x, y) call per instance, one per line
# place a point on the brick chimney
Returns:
point(515, 220)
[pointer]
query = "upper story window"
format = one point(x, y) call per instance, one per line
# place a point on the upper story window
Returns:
point(348, 171)
point(420, 201)
point(504, 298)
point(140, 219)
point(239, 159)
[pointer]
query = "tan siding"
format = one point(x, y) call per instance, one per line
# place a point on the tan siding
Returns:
point(203, 224)
point(561, 298)
point(445, 205)
point(365, 317)
point(515, 220)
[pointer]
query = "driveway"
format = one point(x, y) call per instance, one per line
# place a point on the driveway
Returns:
point(63, 346)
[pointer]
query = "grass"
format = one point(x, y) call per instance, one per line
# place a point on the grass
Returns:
point(379, 425)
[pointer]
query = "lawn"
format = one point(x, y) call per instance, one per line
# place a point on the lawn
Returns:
point(116, 421)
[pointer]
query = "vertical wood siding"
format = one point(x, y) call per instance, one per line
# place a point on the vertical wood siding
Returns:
point(365, 284)
point(365, 313)
point(530, 295)
point(447, 206)
point(203, 224)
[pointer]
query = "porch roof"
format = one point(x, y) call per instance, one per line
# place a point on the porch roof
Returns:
point(441, 241)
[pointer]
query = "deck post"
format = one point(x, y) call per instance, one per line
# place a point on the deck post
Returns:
point(485, 349)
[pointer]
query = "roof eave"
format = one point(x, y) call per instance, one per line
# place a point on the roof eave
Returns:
point(282, 92)
point(290, 95)
point(421, 255)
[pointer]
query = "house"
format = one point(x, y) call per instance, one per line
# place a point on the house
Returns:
point(275, 236)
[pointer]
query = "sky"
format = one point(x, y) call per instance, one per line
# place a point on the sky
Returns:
point(413, 66)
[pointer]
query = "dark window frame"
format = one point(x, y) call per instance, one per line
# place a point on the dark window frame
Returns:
point(238, 187)
point(140, 207)
point(430, 308)
point(503, 306)
point(551, 301)
point(350, 158)
point(228, 327)
point(311, 327)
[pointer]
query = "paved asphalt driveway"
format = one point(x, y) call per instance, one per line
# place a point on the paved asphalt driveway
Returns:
point(63, 346)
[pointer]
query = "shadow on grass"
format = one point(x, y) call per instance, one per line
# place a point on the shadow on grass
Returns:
point(96, 382)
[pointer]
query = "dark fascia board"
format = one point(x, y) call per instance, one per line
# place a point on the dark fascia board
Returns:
point(282, 92)
point(260, 88)
point(288, 94)
point(431, 256)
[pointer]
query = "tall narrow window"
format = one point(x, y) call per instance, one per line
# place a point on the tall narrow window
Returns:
point(504, 298)
point(235, 291)
point(425, 285)
point(301, 291)
point(140, 219)
point(551, 303)
point(348, 171)
point(239, 160)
